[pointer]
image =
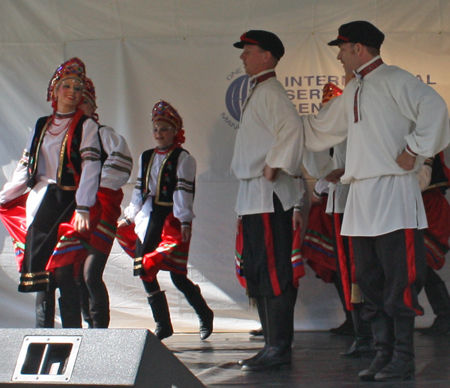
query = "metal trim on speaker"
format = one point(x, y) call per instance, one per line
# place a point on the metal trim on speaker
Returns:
point(46, 358)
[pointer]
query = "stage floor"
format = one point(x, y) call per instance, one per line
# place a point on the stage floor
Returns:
point(316, 362)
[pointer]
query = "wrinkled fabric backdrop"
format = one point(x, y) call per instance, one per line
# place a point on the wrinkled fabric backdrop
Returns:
point(137, 52)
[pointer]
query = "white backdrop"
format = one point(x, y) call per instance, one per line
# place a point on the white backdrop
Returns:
point(137, 52)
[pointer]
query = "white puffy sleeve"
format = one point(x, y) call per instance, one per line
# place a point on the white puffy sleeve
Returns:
point(183, 197)
point(321, 187)
point(328, 128)
point(90, 166)
point(117, 168)
point(423, 105)
point(136, 197)
point(18, 184)
point(318, 164)
point(424, 174)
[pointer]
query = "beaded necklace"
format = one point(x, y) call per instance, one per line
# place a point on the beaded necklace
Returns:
point(61, 116)
point(164, 150)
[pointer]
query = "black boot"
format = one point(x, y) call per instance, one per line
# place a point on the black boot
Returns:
point(256, 332)
point(363, 345)
point(87, 318)
point(383, 335)
point(440, 326)
point(99, 311)
point(161, 315)
point(439, 299)
point(84, 298)
point(278, 333)
point(45, 309)
point(69, 302)
point(205, 314)
point(346, 328)
point(261, 307)
point(84, 303)
point(402, 365)
point(70, 310)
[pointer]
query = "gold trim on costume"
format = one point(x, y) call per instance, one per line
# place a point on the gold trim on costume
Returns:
point(62, 152)
point(137, 263)
point(33, 282)
point(441, 184)
point(34, 274)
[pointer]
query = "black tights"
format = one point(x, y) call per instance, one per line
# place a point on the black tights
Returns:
point(69, 302)
point(93, 291)
point(181, 282)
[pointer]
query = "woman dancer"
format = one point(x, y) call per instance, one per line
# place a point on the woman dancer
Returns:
point(117, 164)
point(161, 209)
point(61, 165)
point(93, 255)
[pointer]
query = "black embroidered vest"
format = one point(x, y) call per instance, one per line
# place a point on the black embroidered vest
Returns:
point(167, 177)
point(66, 178)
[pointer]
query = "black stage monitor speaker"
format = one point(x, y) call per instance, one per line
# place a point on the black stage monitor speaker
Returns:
point(89, 358)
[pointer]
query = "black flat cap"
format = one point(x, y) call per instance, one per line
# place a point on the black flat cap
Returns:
point(266, 40)
point(359, 31)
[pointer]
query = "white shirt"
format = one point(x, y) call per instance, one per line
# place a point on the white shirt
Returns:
point(48, 163)
point(321, 187)
point(183, 201)
point(270, 132)
point(396, 109)
point(338, 194)
point(117, 167)
point(319, 165)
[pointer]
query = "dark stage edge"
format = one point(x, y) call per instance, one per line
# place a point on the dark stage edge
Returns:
point(316, 362)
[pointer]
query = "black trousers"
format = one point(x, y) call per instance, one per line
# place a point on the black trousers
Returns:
point(391, 270)
point(267, 251)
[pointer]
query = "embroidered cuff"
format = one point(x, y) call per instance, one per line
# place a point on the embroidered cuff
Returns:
point(429, 162)
point(317, 194)
point(82, 209)
point(410, 151)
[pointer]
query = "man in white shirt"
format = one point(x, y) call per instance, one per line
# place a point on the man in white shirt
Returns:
point(391, 121)
point(267, 160)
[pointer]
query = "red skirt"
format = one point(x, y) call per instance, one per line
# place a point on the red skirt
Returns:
point(71, 244)
point(170, 255)
point(438, 232)
point(102, 237)
point(318, 243)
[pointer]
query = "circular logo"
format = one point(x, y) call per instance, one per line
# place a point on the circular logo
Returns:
point(235, 97)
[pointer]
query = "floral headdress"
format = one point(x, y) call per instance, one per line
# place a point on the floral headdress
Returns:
point(89, 92)
point(163, 111)
point(72, 69)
